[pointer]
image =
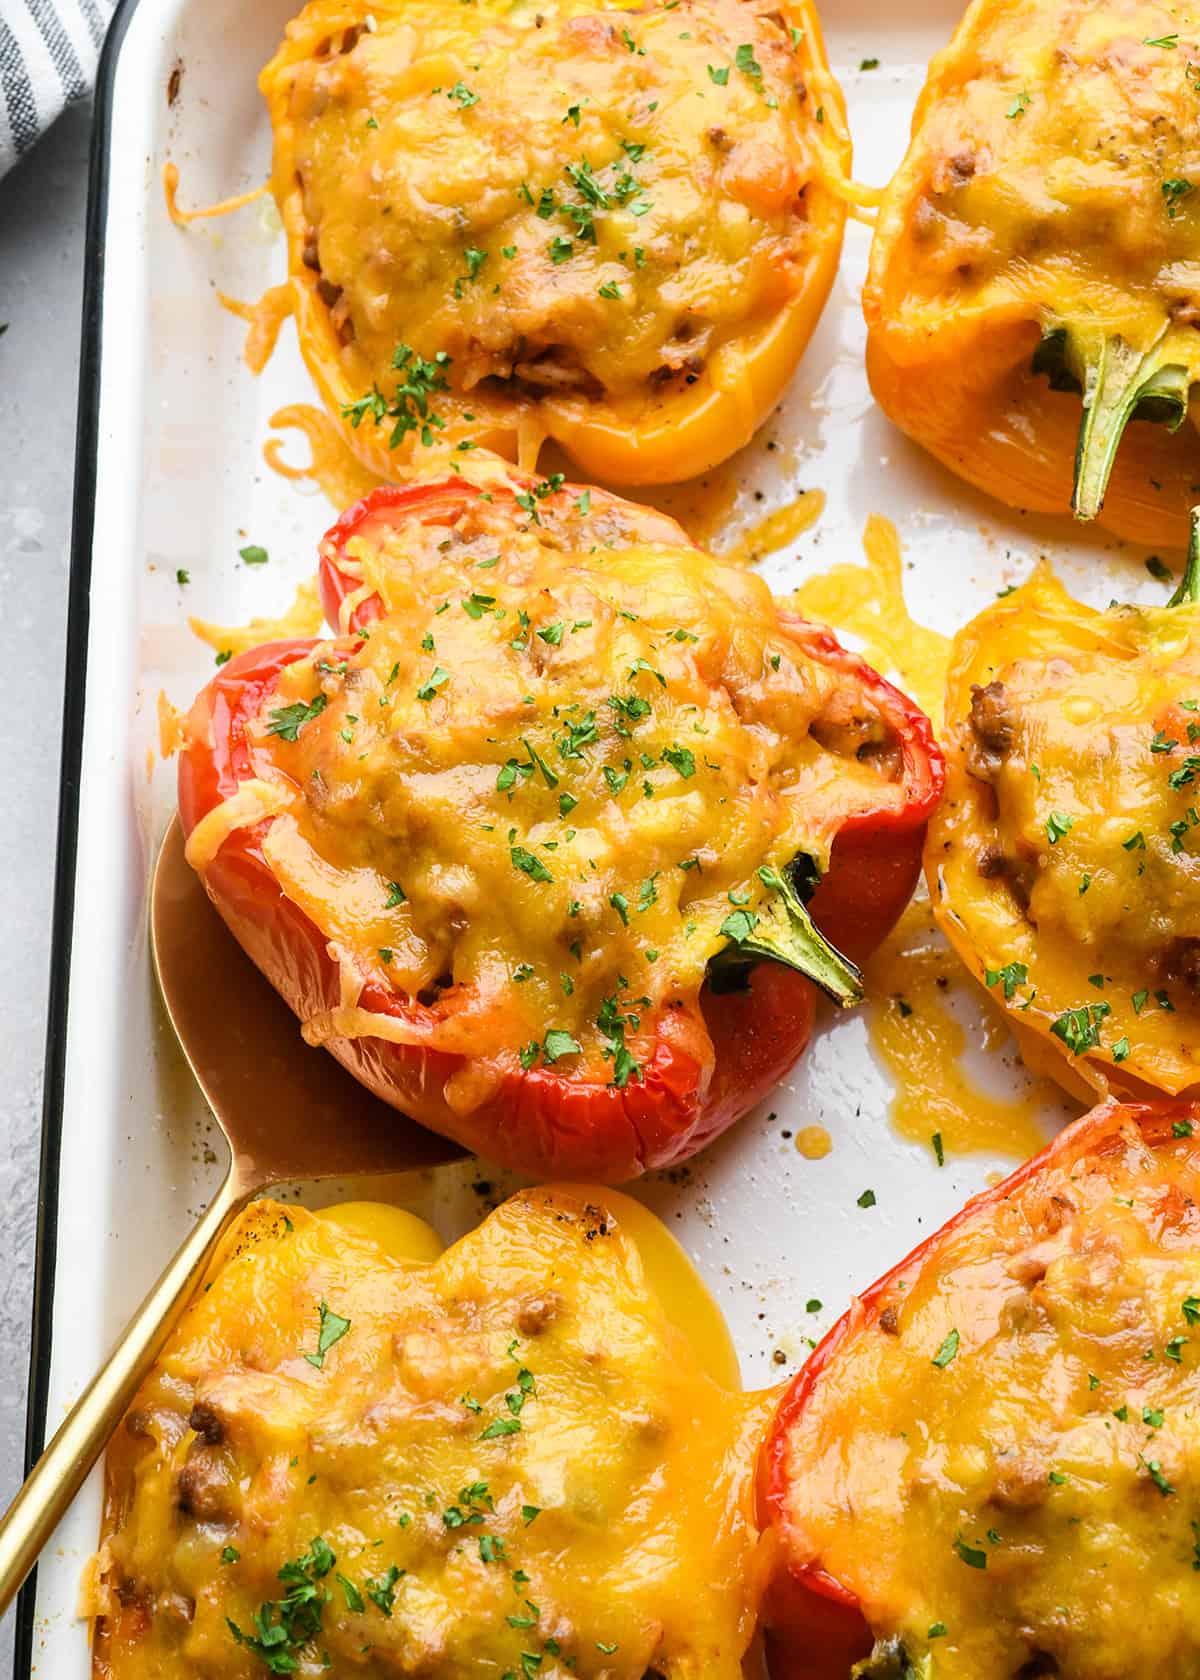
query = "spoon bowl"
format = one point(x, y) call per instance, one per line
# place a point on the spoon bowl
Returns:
point(287, 1112)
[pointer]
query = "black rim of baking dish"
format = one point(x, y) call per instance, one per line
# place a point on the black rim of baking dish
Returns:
point(79, 597)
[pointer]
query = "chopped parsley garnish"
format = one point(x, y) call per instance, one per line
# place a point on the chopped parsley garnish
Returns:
point(1079, 1029)
point(283, 1627)
point(500, 1426)
point(332, 1328)
point(436, 679)
point(719, 76)
point(409, 407)
point(1155, 1472)
point(1173, 191)
point(1058, 824)
point(354, 1599)
point(525, 862)
point(947, 1351)
point(738, 926)
point(383, 1591)
point(1018, 106)
point(973, 1556)
point(681, 759)
point(1014, 974)
point(253, 555)
point(559, 1043)
point(288, 721)
point(867, 1199)
point(611, 1023)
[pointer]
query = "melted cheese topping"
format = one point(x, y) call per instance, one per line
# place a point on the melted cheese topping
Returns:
point(507, 1459)
point(923, 1045)
point(1065, 858)
point(303, 618)
point(1052, 176)
point(544, 793)
point(562, 200)
point(1001, 1458)
point(867, 602)
point(331, 466)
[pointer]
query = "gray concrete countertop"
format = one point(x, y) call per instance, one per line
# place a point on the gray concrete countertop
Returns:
point(42, 203)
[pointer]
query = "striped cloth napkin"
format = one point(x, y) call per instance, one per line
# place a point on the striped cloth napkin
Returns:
point(48, 54)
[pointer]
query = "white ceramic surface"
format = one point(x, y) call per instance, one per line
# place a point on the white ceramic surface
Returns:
point(182, 484)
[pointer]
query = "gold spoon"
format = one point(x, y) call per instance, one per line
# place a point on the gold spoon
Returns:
point(287, 1112)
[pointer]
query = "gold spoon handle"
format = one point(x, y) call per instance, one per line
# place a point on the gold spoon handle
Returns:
point(61, 1470)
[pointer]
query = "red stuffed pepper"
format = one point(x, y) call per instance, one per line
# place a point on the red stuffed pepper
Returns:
point(548, 846)
point(988, 1468)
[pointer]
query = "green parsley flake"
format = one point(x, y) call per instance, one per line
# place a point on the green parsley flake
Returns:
point(332, 1328)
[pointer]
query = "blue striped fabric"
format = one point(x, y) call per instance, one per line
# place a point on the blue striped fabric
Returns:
point(48, 53)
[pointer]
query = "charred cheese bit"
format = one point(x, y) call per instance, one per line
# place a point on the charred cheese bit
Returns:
point(502, 203)
point(507, 1460)
point(1048, 217)
point(1064, 862)
point(551, 788)
point(1001, 1460)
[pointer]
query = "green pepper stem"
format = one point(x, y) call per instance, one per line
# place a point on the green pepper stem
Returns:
point(784, 932)
point(1119, 383)
point(890, 1661)
point(1188, 592)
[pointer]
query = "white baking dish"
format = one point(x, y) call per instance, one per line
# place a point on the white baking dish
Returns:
point(170, 476)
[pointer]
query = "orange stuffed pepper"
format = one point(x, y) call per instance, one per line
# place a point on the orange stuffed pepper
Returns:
point(1034, 284)
point(988, 1468)
point(614, 227)
point(1064, 862)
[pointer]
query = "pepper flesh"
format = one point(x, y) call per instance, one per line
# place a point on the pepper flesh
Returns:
point(702, 1064)
point(1008, 1415)
point(575, 229)
point(1038, 247)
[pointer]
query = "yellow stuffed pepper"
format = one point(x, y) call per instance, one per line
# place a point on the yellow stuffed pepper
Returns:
point(1064, 863)
point(356, 1456)
point(1035, 277)
point(611, 226)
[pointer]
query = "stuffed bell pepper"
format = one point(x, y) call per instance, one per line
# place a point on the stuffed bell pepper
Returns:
point(990, 1468)
point(1064, 862)
point(1034, 286)
point(613, 226)
point(551, 845)
point(357, 1456)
